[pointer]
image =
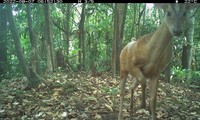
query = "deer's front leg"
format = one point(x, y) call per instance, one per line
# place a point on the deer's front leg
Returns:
point(143, 85)
point(153, 94)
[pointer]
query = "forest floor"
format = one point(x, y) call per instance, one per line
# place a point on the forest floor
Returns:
point(84, 97)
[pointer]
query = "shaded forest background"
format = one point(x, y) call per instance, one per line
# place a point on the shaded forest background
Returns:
point(44, 38)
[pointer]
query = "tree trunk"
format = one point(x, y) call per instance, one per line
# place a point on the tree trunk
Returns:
point(48, 40)
point(34, 55)
point(144, 15)
point(32, 80)
point(108, 41)
point(187, 46)
point(116, 33)
point(67, 27)
point(139, 19)
point(81, 37)
point(119, 20)
point(122, 17)
point(3, 41)
point(134, 22)
point(167, 70)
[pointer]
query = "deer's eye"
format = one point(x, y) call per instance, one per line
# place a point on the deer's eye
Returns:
point(168, 13)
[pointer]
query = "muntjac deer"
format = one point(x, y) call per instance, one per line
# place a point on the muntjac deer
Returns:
point(150, 54)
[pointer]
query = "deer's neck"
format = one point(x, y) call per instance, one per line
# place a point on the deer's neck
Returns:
point(159, 42)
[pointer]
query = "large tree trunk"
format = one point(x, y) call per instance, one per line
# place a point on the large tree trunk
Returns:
point(3, 41)
point(122, 17)
point(119, 20)
point(15, 35)
point(32, 81)
point(48, 40)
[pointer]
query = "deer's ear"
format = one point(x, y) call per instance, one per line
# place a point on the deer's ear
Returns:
point(192, 6)
point(161, 6)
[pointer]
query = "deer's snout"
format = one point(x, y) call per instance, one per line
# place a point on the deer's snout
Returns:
point(177, 32)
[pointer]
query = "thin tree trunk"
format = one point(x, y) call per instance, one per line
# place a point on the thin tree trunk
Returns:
point(82, 40)
point(119, 20)
point(34, 57)
point(167, 70)
point(187, 47)
point(134, 22)
point(67, 27)
point(143, 24)
point(107, 41)
point(139, 19)
point(3, 41)
point(114, 47)
point(48, 40)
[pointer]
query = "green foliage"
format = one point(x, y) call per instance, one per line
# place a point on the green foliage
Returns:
point(110, 90)
point(98, 24)
point(184, 76)
point(195, 78)
point(180, 75)
point(196, 37)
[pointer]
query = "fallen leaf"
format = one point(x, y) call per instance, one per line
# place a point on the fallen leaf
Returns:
point(109, 107)
point(64, 114)
point(97, 117)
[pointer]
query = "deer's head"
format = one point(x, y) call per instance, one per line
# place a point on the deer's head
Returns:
point(176, 15)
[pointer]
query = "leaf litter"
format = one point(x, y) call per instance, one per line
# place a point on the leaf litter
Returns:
point(85, 97)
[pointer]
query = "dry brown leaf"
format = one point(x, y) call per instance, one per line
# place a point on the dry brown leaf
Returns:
point(43, 108)
point(74, 119)
point(98, 117)
point(142, 111)
point(64, 114)
point(90, 102)
point(83, 116)
point(109, 107)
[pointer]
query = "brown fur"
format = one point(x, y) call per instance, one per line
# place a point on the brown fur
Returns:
point(147, 57)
